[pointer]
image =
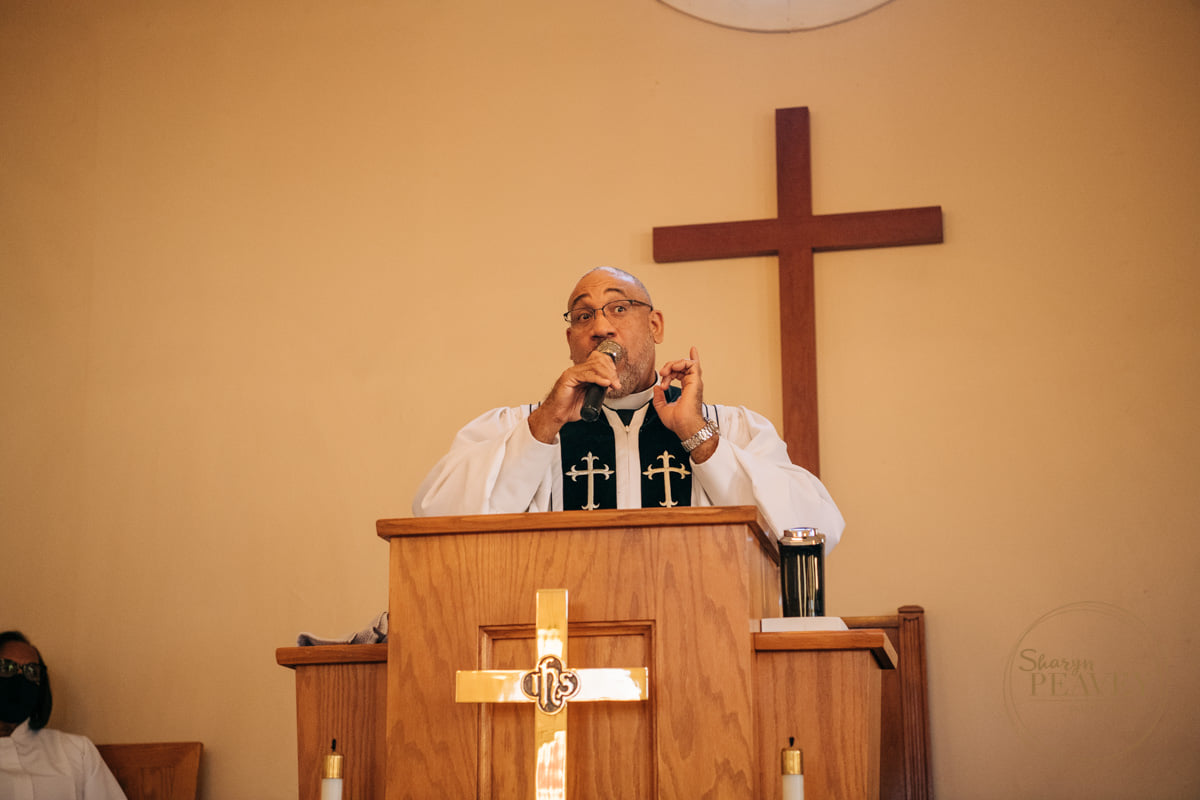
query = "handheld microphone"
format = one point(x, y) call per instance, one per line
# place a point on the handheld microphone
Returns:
point(595, 393)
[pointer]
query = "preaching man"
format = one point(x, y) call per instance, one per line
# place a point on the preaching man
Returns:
point(654, 445)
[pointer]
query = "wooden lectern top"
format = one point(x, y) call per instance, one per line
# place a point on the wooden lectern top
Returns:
point(575, 520)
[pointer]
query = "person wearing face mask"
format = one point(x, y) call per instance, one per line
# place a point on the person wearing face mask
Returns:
point(36, 762)
point(654, 445)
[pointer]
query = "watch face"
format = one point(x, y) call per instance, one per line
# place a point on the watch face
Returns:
point(775, 15)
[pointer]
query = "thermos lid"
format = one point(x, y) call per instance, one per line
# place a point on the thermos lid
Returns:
point(802, 536)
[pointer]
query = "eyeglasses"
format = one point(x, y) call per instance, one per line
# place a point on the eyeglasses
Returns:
point(32, 672)
point(615, 312)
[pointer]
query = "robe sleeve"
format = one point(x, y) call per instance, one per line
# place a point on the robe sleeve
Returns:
point(494, 466)
point(751, 467)
point(98, 780)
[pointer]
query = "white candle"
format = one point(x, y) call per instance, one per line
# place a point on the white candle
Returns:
point(331, 775)
point(793, 787)
point(791, 768)
point(331, 789)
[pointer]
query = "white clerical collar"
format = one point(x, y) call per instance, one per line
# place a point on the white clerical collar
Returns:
point(22, 732)
point(631, 401)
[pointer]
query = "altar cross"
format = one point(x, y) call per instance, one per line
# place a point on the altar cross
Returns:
point(794, 235)
point(551, 685)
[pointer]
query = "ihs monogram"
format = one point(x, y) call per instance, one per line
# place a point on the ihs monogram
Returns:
point(550, 684)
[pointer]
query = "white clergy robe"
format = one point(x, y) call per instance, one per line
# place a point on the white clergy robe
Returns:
point(496, 466)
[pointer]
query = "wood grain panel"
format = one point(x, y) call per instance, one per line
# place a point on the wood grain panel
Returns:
point(829, 701)
point(606, 743)
point(340, 692)
point(155, 770)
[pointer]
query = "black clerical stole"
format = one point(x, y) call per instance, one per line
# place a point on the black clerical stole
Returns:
point(589, 462)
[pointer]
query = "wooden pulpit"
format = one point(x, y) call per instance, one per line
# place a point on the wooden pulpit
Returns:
point(677, 591)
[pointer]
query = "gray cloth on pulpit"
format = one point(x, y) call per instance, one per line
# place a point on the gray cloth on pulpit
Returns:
point(373, 633)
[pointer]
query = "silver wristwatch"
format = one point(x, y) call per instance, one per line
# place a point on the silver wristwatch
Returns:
point(701, 436)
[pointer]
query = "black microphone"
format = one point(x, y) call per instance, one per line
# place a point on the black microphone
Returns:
point(595, 393)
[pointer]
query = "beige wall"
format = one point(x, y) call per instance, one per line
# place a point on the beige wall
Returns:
point(259, 260)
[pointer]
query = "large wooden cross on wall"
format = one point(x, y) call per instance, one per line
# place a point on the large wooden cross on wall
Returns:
point(794, 235)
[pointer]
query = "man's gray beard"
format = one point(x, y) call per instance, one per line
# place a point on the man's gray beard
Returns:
point(630, 374)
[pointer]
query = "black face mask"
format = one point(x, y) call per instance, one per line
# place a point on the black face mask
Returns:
point(18, 699)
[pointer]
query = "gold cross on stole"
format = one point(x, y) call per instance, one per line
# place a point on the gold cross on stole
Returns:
point(666, 471)
point(591, 472)
point(551, 685)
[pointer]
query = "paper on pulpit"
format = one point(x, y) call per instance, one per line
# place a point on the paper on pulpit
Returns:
point(783, 624)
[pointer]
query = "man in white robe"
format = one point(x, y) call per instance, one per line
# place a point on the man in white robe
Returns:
point(656, 445)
